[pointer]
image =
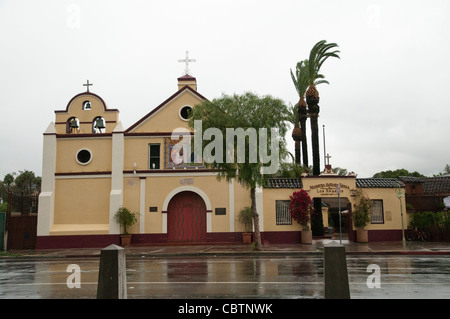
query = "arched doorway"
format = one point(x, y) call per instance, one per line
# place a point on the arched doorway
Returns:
point(186, 218)
point(334, 206)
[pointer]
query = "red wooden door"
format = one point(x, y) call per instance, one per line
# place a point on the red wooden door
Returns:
point(186, 220)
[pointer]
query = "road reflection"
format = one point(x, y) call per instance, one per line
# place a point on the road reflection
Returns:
point(230, 277)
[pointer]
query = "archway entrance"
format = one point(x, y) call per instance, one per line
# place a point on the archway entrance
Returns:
point(186, 218)
point(333, 214)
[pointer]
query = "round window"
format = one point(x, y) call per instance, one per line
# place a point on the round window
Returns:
point(84, 157)
point(185, 112)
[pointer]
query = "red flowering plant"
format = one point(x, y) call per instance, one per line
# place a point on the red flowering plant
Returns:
point(301, 208)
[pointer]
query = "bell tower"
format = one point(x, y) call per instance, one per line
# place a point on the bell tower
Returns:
point(86, 113)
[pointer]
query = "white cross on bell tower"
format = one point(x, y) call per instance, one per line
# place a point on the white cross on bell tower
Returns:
point(187, 60)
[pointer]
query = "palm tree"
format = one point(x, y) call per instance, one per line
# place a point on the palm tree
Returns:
point(301, 81)
point(318, 55)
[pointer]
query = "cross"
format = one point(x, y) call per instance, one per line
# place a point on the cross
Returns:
point(328, 158)
point(87, 85)
point(187, 60)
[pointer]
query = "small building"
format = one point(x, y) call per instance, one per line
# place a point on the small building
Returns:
point(92, 166)
point(426, 193)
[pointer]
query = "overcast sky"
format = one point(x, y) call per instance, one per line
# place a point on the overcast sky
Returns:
point(386, 107)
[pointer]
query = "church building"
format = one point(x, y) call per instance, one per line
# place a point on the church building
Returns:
point(92, 166)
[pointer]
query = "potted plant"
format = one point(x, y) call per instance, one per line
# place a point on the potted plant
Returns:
point(246, 218)
point(126, 219)
point(301, 209)
point(361, 216)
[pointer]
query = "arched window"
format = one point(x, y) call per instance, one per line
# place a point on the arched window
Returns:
point(86, 105)
point(98, 125)
point(72, 125)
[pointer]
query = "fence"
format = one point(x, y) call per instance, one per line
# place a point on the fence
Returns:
point(21, 221)
point(437, 234)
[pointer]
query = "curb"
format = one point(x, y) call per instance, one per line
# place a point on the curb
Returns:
point(134, 255)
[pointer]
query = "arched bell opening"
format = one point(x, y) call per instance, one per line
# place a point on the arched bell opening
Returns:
point(98, 125)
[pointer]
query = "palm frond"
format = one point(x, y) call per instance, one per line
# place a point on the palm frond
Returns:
point(317, 56)
point(316, 83)
point(301, 77)
point(295, 82)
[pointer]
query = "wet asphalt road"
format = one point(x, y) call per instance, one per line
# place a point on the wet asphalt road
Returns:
point(251, 277)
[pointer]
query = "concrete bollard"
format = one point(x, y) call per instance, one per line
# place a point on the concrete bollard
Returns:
point(112, 280)
point(335, 272)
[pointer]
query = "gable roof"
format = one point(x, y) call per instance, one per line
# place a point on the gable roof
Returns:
point(159, 107)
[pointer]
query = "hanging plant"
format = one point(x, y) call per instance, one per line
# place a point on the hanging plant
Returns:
point(301, 208)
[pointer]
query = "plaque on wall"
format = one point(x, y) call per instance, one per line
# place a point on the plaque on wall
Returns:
point(221, 211)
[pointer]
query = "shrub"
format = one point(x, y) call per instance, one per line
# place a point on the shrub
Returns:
point(125, 218)
point(301, 208)
point(361, 213)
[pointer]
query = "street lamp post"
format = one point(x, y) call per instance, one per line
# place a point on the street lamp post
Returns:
point(338, 190)
point(399, 196)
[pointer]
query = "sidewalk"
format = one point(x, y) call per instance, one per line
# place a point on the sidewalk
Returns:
point(316, 248)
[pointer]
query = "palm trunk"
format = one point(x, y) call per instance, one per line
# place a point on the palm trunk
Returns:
point(297, 137)
point(297, 152)
point(302, 111)
point(255, 219)
point(315, 143)
point(312, 98)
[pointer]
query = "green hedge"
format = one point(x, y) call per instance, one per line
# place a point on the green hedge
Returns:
point(430, 219)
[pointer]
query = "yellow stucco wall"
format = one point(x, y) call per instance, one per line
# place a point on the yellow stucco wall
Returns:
point(391, 208)
point(81, 206)
point(167, 118)
point(137, 151)
point(67, 149)
point(241, 200)
point(270, 197)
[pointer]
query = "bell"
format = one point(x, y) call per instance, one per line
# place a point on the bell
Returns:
point(73, 124)
point(99, 124)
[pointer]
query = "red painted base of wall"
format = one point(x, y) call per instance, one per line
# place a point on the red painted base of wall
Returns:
point(380, 235)
point(101, 241)
point(76, 241)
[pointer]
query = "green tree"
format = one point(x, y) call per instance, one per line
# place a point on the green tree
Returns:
point(397, 173)
point(246, 111)
point(27, 182)
point(445, 172)
point(340, 171)
point(24, 182)
point(317, 56)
